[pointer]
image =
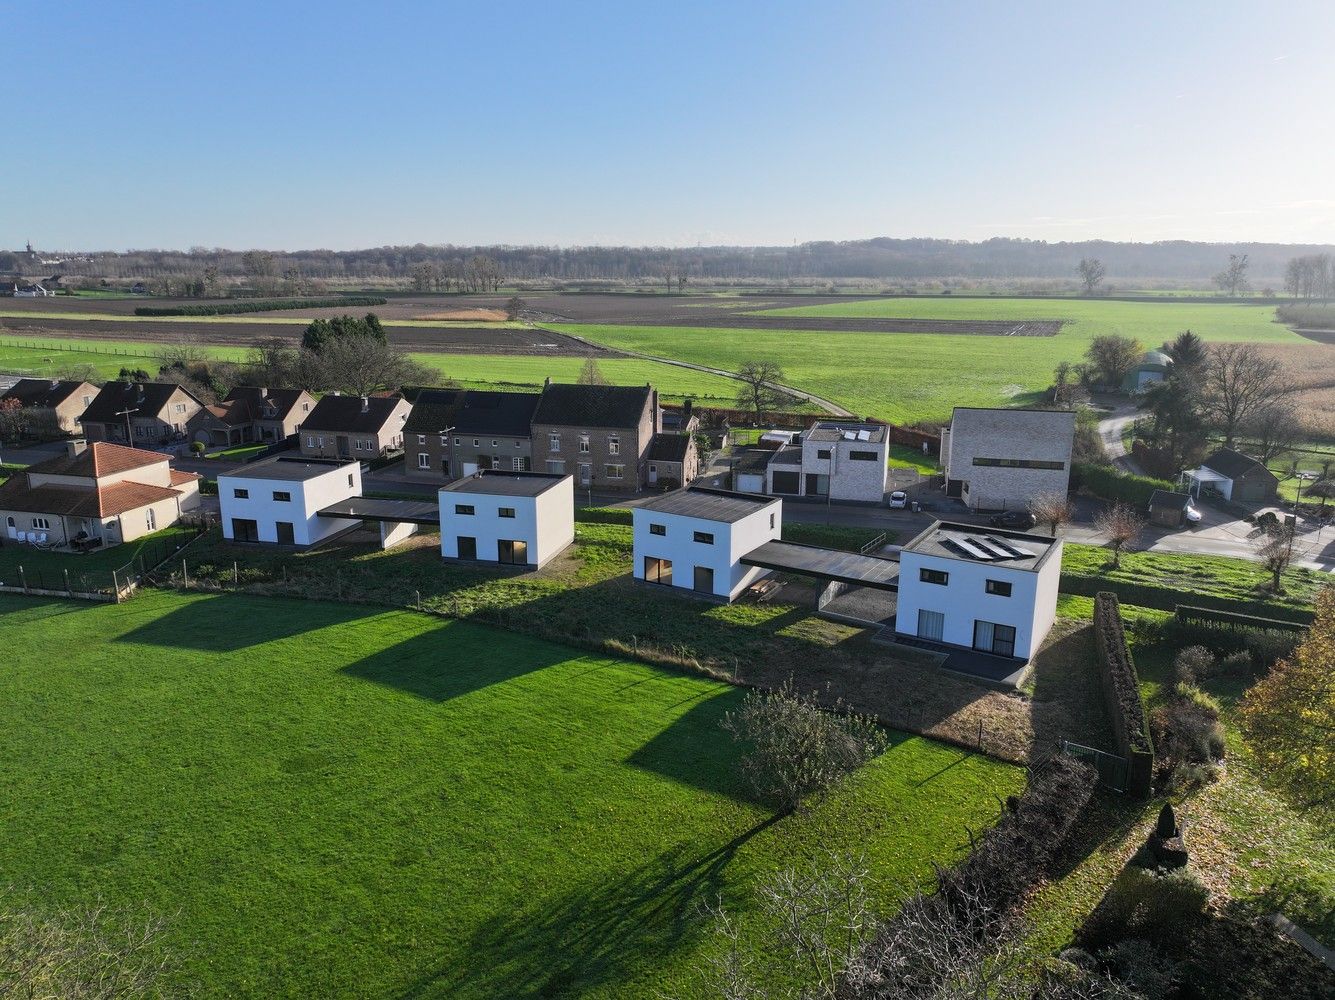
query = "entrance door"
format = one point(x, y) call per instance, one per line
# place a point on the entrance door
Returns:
point(514, 552)
point(653, 474)
point(245, 530)
point(658, 570)
point(466, 547)
point(704, 579)
point(585, 473)
point(989, 637)
point(931, 625)
point(344, 449)
point(285, 536)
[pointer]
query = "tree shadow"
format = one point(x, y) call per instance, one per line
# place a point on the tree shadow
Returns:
point(452, 660)
point(695, 751)
point(226, 623)
point(594, 935)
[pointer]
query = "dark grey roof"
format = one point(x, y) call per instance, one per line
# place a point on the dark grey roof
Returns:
point(751, 459)
point(148, 398)
point(286, 469)
point(592, 405)
point(1015, 550)
point(1233, 464)
point(789, 454)
point(473, 411)
point(828, 564)
point(669, 447)
point(257, 397)
point(1167, 498)
point(505, 484)
point(835, 430)
point(379, 509)
point(724, 506)
point(345, 413)
point(42, 392)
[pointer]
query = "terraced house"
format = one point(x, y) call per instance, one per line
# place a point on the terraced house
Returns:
point(141, 413)
point(457, 432)
point(600, 434)
point(361, 427)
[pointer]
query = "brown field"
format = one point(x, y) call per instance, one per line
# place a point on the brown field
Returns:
point(468, 315)
point(1313, 370)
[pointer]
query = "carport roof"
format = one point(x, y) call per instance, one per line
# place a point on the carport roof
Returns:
point(376, 509)
point(827, 564)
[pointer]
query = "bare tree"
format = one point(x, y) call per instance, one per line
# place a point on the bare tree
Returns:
point(591, 374)
point(1233, 279)
point(272, 362)
point(1274, 429)
point(1053, 508)
point(1122, 525)
point(423, 276)
point(1091, 271)
point(360, 366)
point(1240, 381)
point(760, 392)
point(1275, 551)
point(514, 308)
point(258, 263)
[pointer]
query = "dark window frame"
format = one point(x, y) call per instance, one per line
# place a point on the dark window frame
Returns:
point(927, 575)
point(658, 529)
point(998, 588)
point(465, 509)
point(703, 537)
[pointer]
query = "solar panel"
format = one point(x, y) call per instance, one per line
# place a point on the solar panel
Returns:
point(864, 435)
point(1014, 551)
point(968, 548)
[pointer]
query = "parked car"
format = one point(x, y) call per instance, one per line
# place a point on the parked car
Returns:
point(1192, 514)
point(899, 500)
point(1018, 520)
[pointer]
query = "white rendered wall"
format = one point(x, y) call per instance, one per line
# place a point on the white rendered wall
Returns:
point(393, 532)
point(309, 496)
point(545, 523)
point(731, 542)
point(556, 520)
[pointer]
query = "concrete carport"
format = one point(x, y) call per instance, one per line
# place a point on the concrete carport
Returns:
point(398, 519)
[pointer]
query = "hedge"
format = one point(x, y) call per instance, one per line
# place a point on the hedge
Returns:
point(1106, 482)
point(1121, 695)
point(1149, 595)
point(260, 305)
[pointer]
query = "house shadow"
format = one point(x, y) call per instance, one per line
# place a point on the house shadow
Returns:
point(226, 623)
point(695, 750)
point(456, 659)
point(595, 935)
point(1067, 699)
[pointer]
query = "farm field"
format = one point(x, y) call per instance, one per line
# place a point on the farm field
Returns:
point(342, 801)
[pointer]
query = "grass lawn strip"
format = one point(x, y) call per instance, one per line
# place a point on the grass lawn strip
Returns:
point(331, 800)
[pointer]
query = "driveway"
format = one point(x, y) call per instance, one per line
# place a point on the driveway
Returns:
point(1120, 417)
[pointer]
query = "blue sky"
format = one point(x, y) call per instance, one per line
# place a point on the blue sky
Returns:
point(347, 125)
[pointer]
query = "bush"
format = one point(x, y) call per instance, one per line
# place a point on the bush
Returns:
point(1237, 664)
point(1106, 482)
point(197, 447)
point(1187, 733)
point(1141, 905)
point(260, 305)
point(1193, 664)
point(1268, 648)
point(1191, 693)
point(1143, 967)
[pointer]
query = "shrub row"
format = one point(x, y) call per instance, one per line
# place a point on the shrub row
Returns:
point(1121, 694)
point(1149, 595)
point(260, 305)
point(1106, 482)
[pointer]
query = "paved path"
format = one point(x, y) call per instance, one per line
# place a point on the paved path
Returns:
point(1110, 430)
point(830, 407)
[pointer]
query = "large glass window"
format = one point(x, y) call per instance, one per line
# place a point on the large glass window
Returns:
point(989, 637)
point(658, 570)
point(931, 625)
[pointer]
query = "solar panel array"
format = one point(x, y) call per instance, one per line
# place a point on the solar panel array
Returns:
point(984, 548)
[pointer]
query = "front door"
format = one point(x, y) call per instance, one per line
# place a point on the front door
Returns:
point(285, 536)
point(704, 579)
point(585, 473)
point(466, 547)
point(344, 449)
point(653, 474)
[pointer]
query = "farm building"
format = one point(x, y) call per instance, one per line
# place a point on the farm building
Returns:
point(999, 459)
point(1232, 475)
point(695, 539)
point(1152, 367)
point(279, 500)
point(985, 590)
point(516, 518)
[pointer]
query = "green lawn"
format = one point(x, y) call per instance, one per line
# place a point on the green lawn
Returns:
point(88, 570)
point(238, 453)
point(336, 801)
point(906, 377)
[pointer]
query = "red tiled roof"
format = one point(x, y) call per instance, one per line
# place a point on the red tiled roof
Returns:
point(101, 458)
point(69, 501)
point(120, 497)
point(181, 478)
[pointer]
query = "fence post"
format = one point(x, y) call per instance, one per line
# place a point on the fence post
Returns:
point(23, 579)
point(69, 591)
point(980, 734)
point(185, 573)
point(236, 575)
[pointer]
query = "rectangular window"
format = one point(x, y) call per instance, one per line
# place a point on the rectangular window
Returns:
point(658, 529)
point(556, 468)
point(704, 538)
point(518, 443)
point(506, 512)
point(822, 452)
point(771, 520)
point(241, 494)
point(1020, 463)
point(616, 471)
point(584, 444)
point(475, 442)
point(423, 460)
point(305, 407)
point(444, 441)
point(862, 456)
point(614, 445)
point(937, 576)
point(180, 407)
point(511, 551)
point(658, 570)
point(456, 442)
point(445, 466)
point(517, 464)
point(1001, 588)
point(41, 522)
point(282, 496)
point(989, 637)
point(494, 443)
point(421, 439)
point(310, 441)
point(349, 478)
point(357, 444)
point(463, 508)
point(931, 625)
point(554, 442)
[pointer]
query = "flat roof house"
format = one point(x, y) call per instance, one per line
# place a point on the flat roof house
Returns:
point(835, 460)
point(1234, 476)
point(694, 539)
point(598, 433)
point(67, 399)
point(999, 459)
point(983, 589)
point(279, 500)
point(138, 413)
point(360, 427)
point(456, 432)
point(95, 494)
point(514, 518)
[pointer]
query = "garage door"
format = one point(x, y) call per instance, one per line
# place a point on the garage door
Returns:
point(787, 482)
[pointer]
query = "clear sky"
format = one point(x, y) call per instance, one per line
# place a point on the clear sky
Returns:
point(341, 125)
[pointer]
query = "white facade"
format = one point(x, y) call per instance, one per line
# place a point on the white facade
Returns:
point(834, 460)
point(696, 552)
point(999, 459)
point(277, 501)
point(972, 604)
point(522, 519)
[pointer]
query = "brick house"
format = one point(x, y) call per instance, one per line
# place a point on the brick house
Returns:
point(361, 427)
point(140, 413)
point(275, 413)
point(457, 432)
point(999, 459)
point(600, 434)
point(67, 398)
point(674, 461)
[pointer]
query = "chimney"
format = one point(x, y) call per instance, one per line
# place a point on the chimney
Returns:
point(366, 404)
point(656, 420)
point(75, 448)
point(55, 383)
point(685, 412)
point(547, 381)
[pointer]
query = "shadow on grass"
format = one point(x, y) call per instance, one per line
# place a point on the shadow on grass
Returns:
point(1067, 699)
point(454, 660)
point(595, 935)
point(695, 751)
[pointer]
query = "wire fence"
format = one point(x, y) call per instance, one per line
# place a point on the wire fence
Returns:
point(79, 347)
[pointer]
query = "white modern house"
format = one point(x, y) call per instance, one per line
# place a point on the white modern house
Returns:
point(279, 500)
point(983, 589)
point(694, 539)
point(516, 518)
point(834, 460)
point(999, 459)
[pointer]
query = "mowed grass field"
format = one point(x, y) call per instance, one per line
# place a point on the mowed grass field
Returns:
point(334, 801)
point(906, 377)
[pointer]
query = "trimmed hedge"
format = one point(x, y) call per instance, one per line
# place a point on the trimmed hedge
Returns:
point(1106, 482)
point(1121, 695)
point(260, 305)
point(1148, 595)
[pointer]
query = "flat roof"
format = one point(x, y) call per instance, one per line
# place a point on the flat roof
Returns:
point(789, 454)
point(835, 430)
point(1017, 550)
point(292, 470)
point(828, 564)
point(724, 506)
point(506, 484)
point(377, 509)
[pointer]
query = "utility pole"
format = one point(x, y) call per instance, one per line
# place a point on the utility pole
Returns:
point(129, 427)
